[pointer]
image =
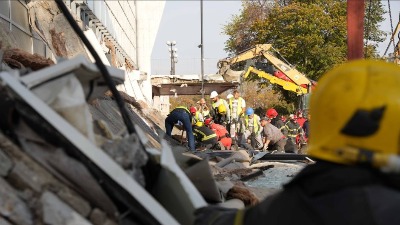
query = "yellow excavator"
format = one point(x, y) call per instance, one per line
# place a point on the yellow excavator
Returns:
point(275, 70)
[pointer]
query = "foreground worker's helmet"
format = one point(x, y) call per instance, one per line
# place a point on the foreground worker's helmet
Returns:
point(193, 109)
point(271, 113)
point(207, 121)
point(249, 111)
point(356, 115)
point(199, 124)
point(213, 94)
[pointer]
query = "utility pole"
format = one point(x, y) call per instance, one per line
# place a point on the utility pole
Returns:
point(355, 29)
point(202, 49)
point(173, 55)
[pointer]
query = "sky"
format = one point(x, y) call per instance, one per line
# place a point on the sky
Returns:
point(181, 23)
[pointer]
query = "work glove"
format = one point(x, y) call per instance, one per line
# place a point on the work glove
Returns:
point(214, 215)
point(253, 134)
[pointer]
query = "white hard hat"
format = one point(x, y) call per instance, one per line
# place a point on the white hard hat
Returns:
point(229, 96)
point(213, 94)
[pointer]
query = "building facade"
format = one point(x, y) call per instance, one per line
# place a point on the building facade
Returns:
point(123, 33)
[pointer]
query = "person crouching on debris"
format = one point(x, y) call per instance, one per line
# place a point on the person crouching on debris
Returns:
point(196, 116)
point(355, 140)
point(205, 137)
point(182, 114)
point(225, 141)
point(273, 139)
point(276, 121)
point(220, 109)
point(252, 130)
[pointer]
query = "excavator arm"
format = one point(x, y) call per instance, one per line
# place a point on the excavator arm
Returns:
point(296, 81)
point(287, 85)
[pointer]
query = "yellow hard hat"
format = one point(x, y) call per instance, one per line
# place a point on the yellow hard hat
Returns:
point(199, 124)
point(356, 115)
point(222, 108)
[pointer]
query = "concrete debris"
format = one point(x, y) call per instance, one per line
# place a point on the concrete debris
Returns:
point(17, 58)
point(57, 212)
point(128, 154)
point(12, 207)
point(5, 164)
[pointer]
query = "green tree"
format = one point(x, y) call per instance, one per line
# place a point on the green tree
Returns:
point(310, 34)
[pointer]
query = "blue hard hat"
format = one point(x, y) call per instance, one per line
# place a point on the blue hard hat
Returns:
point(249, 111)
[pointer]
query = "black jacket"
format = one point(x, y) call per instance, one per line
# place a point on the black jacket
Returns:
point(325, 194)
point(331, 194)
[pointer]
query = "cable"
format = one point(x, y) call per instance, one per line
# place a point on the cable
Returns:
point(391, 25)
point(110, 83)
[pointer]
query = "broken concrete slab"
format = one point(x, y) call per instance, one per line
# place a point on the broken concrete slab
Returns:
point(57, 212)
point(27, 174)
point(5, 164)
point(12, 207)
point(3, 221)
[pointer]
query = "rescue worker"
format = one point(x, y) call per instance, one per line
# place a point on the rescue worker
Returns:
point(203, 108)
point(273, 139)
point(196, 116)
point(300, 119)
point(182, 114)
point(229, 96)
point(306, 126)
point(273, 114)
point(204, 136)
point(221, 132)
point(237, 106)
point(220, 109)
point(355, 140)
point(252, 130)
point(293, 129)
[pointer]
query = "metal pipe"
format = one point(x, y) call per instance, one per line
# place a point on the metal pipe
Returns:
point(202, 49)
point(355, 29)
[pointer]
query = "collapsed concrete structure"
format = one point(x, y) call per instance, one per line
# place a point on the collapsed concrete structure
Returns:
point(66, 155)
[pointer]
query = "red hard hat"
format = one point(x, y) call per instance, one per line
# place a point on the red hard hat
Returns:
point(193, 109)
point(207, 121)
point(271, 113)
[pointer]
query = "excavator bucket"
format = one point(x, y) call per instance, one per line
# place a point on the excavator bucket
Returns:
point(227, 73)
point(232, 75)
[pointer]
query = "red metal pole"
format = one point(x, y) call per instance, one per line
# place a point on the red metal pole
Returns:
point(355, 29)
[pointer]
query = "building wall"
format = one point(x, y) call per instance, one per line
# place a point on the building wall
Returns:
point(119, 18)
point(131, 25)
point(149, 19)
point(15, 29)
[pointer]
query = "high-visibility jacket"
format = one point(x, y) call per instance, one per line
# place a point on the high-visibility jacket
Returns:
point(197, 118)
point(203, 110)
point(182, 107)
point(256, 125)
point(204, 134)
point(239, 105)
point(220, 106)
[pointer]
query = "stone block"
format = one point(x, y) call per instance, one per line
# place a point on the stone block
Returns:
point(5, 164)
point(12, 207)
point(57, 212)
